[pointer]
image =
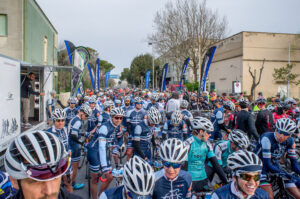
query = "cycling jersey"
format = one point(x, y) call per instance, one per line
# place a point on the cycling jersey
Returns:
point(127, 108)
point(152, 105)
point(93, 120)
point(243, 120)
point(175, 131)
point(143, 134)
point(222, 150)
point(186, 114)
point(229, 191)
point(276, 117)
point(198, 153)
point(228, 120)
point(134, 117)
point(203, 105)
point(51, 103)
point(70, 114)
point(107, 135)
point(75, 127)
point(217, 118)
point(104, 117)
point(193, 105)
point(264, 121)
point(270, 151)
point(175, 188)
point(6, 188)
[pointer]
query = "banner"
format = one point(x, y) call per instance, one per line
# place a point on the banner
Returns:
point(184, 67)
point(98, 74)
point(205, 68)
point(70, 49)
point(90, 67)
point(107, 78)
point(163, 77)
point(147, 79)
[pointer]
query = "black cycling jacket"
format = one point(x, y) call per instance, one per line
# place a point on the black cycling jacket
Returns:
point(243, 120)
point(264, 121)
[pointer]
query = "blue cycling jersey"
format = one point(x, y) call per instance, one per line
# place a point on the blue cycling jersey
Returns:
point(75, 127)
point(175, 131)
point(229, 191)
point(70, 114)
point(154, 105)
point(62, 134)
point(6, 188)
point(93, 120)
point(175, 188)
point(134, 117)
point(217, 118)
point(104, 117)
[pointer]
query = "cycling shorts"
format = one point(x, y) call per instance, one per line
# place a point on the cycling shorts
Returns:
point(76, 152)
point(200, 186)
point(265, 181)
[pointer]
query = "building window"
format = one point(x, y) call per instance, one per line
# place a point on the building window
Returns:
point(212, 86)
point(45, 50)
point(3, 25)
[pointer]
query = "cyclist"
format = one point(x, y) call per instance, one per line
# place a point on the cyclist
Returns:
point(6, 188)
point(118, 103)
point(203, 104)
point(172, 181)
point(271, 147)
point(187, 115)
point(93, 120)
point(58, 128)
point(105, 115)
point(50, 106)
point(280, 112)
point(264, 118)
point(127, 107)
point(75, 128)
point(200, 151)
point(175, 127)
point(217, 119)
point(70, 111)
point(35, 162)
point(194, 102)
point(134, 117)
point(243, 120)
point(153, 103)
point(246, 167)
point(138, 181)
point(237, 140)
point(143, 135)
point(108, 135)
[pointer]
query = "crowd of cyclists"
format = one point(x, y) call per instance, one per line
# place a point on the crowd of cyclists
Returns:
point(165, 145)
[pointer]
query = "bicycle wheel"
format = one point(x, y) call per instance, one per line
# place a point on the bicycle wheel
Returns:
point(88, 177)
point(82, 159)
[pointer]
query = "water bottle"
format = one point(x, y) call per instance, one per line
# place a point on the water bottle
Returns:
point(208, 196)
point(117, 172)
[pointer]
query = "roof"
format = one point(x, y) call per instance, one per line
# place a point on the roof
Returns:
point(45, 16)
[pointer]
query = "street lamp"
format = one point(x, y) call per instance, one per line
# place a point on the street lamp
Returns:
point(150, 44)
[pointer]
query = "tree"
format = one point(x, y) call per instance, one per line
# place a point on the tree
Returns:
point(184, 29)
point(254, 83)
point(111, 83)
point(284, 74)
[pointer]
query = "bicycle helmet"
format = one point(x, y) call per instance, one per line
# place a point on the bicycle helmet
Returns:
point(92, 100)
point(86, 98)
point(286, 125)
point(244, 161)
point(270, 108)
point(202, 123)
point(229, 105)
point(261, 100)
point(73, 100)
point(33, 149)
point(239, 138)
point(138, 100)
point(86, 110)
point(184, 104)
point(176, 117)
point(58, 114)
point(290, 101)
point(173, 150)
point(138, 176)
point(117, 111)
point(243, 102)
point(154, 116)
point(107, 104)
point(154, 97)
point(117, 101)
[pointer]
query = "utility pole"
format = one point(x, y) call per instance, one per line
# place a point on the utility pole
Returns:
point(288, 85)
point(150, 44)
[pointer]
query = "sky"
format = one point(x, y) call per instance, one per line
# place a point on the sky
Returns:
point(118, 29)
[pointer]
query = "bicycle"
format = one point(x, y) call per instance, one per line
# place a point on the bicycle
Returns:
point(279, 188)
point(202, 195)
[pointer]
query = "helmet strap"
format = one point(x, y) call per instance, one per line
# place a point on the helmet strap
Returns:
point(20, 189)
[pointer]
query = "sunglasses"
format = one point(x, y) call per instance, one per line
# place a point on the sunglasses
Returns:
point(284, 133)
point(59, 120)
point(138, 103)
point(118, 118)
point(170, 164)
point(45, 172)
point(248, 177)
point(86, 115)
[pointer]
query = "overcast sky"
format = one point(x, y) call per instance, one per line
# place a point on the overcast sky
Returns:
point(118, 29)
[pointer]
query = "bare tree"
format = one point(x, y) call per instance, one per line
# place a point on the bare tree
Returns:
point(184, 29)
point(254, 83)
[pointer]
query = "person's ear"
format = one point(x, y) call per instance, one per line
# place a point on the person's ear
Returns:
point(14, 183)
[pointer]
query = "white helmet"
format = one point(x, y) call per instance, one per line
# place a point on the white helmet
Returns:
point(138, 100)
point(202, 123)
point(243, 102)
point(244, 161)
point(107, 104)
point(154, 116)
point(86, 98)
point(155, 97)
point(239, 138)
point(117, 111)
point(117, 101)
point(173, 150)
point(184, 104)
point(286, 125)
point(58, 114)
point(93, 100)
point(270, 108)
point(138, 176)
point(73, 100)
point(176, 117)
point(31, 149)
point(229, 105)
point(86, 109)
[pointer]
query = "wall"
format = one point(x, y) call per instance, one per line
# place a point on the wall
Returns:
point(36, 27)
point(11, 45)
point(274, 48)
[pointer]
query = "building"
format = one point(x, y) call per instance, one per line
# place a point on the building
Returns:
point(236, 53)
point(26, 33)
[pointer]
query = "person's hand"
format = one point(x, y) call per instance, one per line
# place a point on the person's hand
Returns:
point(42, 94)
